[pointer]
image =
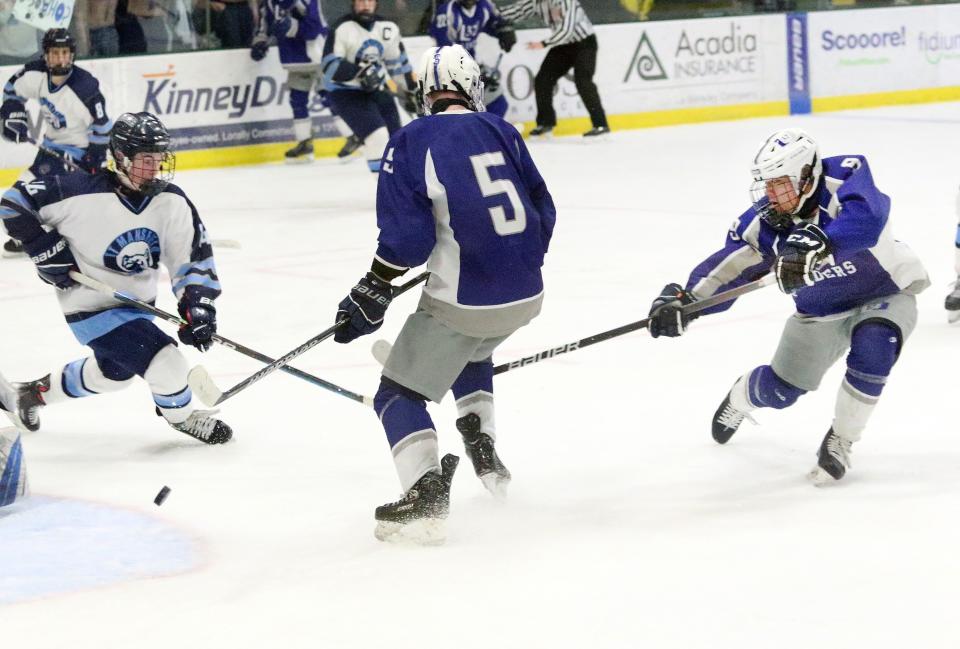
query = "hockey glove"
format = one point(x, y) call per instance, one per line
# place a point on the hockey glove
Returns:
point(51, 254)
point(491, 79)
point(666, 313)
point(371, 77)
point(13, 115)
point(409, 102)
point(365, 307)
point(201, 317)
point(258, 51)
point(803, 251)
point(507, 37)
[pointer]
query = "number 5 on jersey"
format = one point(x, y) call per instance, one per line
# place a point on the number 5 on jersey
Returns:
point(503, 225)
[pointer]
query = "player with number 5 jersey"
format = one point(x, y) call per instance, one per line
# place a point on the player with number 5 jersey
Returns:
point(458, 191)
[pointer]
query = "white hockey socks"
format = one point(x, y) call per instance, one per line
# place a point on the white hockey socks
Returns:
point(303, 129)
point(373, 147)
point(167, 378)
point(479, 403)
point(415, 455)
point(852, 412)
point(739, 398)
point(80, 378)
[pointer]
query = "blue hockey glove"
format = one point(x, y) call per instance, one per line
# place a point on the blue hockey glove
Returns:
point(285, 27)
point(201, 317)
point(51, 254)
point(13, 116)
point(258, 51)
point(803, 251)
point(666, 313)
point(365, 307)
point(371, 77)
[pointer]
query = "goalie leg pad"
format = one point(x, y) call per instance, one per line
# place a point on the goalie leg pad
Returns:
point(410, 431)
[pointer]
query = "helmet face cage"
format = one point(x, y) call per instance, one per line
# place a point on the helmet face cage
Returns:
point(778, 200)
point(140, 146)
point(786, 173)
point(59, 38)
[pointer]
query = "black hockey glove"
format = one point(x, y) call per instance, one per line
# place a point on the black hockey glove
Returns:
point(201, 317)
point(365, 307)
point(409, 102)
point(801, 254)
point(507, 37)
point(51, 254)
point(666, 313)
point(13, 116)
point(491, 78)
point(258, 51)
point(371, 77)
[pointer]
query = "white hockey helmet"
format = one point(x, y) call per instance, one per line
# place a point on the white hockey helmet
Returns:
point(789, 153)
point(450, 68)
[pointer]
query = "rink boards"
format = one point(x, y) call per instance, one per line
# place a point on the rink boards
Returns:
point(224, 109)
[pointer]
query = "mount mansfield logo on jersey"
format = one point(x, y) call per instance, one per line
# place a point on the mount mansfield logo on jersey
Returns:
point(133, 252)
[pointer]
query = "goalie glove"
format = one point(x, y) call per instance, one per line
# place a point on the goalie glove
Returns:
point(666, 313)
point(802, 252)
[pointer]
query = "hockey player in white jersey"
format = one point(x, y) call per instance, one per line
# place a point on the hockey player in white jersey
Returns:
point(952, 303)
point(118, 226)
point(361, 51)
point(823, 227)
point(72, 106)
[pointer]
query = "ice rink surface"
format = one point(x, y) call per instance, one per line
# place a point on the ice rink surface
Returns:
point(626, 526)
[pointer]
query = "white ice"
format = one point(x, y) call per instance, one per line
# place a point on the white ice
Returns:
point(627, 526)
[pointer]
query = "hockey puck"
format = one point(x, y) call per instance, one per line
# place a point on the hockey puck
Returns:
point(161, 496)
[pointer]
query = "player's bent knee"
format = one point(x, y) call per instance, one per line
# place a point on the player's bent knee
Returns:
point(767, 390)
point(874, 348)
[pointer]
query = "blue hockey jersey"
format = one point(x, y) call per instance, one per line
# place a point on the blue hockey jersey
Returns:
point(302, 43)
point(455, 25)
point(459, 191)
point(866, 263)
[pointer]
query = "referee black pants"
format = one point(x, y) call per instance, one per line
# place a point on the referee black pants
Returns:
point(582, 57)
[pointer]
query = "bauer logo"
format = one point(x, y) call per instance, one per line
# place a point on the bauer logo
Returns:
point(645, 62)
point(133, 252)
point(798, 70)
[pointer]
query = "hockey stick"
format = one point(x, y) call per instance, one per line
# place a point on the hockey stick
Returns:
point(281, 362)
point(199, 379)
point(56, 153)
point(381, 348)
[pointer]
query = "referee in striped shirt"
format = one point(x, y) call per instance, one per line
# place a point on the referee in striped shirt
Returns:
point(572, 44)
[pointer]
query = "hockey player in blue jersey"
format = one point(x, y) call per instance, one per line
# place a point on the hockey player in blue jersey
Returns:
point(117, 227)
point(70, 103)
point(299, 29)
point(823, 227)
point(461, 22)
point(362, 50)
point(458, 191)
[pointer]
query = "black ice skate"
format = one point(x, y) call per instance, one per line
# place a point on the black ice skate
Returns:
point(351, 146)
point(303, 152)
point(541, 131)
point(12, 248)
point(727, 419)
point(486, 463)
point(833, 459)
point(30, 400)
point(952, 303)
point(202, 426)
point(419, 516)
point(597, 131)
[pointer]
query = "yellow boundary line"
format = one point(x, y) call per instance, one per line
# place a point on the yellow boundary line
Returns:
point(328, 147)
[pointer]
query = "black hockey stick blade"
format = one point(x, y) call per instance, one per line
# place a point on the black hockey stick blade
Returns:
point(201, 382)
point(695, 307)
point(305, 347)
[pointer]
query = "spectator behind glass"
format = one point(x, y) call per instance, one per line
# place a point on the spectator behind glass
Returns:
point(154, 26)
point(19, 42)
point(95, 29)
point(232, 21)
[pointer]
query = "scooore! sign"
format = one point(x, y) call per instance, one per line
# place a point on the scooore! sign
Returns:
point(882, 50)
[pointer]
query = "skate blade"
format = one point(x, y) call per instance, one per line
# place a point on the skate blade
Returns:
point(427, 531)
point(302, 160)
point(820, 478)
point(13, 255)
point(497, 485)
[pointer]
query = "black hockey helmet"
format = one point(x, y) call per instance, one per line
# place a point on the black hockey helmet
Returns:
point(142, 133)
point(59, 38)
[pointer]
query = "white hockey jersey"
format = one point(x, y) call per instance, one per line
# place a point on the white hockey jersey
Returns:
point(352, 46)
point(117, 242)
point(75, 112)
